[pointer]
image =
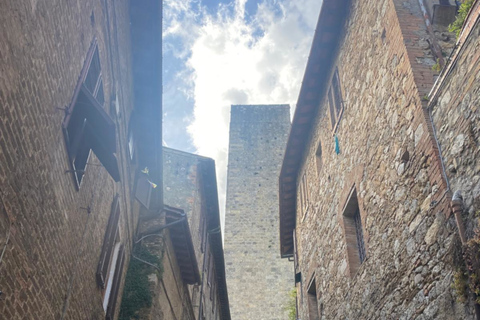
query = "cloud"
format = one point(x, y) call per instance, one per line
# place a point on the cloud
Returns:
point(232, 57)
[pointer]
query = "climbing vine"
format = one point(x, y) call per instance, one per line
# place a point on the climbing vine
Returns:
point(137, 294)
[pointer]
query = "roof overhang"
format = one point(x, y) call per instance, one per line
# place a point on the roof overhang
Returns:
point(207, 170)
point(182, 244)
point(329, 29)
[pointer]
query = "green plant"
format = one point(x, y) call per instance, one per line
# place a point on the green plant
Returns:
point(137, 294)
point(457, 25)
point(459, 284)
point(436, 67)
point(471, 255)
point(291, 306)
point(425, 98)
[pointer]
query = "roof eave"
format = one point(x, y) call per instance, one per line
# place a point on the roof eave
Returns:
point(327, 35)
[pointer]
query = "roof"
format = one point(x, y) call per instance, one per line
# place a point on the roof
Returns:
point(207, 170)
point(182, 245)
point(330, 23)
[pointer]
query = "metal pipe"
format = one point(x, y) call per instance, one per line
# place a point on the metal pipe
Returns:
point(168, 225)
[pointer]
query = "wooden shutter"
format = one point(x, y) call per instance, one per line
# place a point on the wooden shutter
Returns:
point(108, 243)
point(101, 123)
point(143, 191)
point(117, 278)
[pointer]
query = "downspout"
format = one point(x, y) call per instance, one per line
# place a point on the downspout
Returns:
point(200, 308)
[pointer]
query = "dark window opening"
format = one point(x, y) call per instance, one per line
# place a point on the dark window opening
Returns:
point(356, 251)
point(313, 313)
point(318, 158)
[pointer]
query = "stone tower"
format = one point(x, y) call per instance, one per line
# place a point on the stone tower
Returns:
point(258, 279)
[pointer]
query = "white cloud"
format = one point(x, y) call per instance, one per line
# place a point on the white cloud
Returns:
point(231, 61)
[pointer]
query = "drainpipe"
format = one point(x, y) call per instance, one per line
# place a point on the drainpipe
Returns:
point(457, 209)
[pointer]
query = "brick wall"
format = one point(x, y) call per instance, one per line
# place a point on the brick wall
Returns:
point(258, 280)
point(48, 269)
point(388, 153)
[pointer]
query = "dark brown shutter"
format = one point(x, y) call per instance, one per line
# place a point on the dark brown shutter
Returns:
point(108, 159)
point(101, 123)
point(117, 278)
point(108, 243)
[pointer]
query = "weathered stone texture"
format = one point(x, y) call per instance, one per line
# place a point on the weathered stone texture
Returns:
point(387, 151)
point(258, 280)
point(48, 269)
point(456, 116)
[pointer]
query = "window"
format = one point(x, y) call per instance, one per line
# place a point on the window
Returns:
point(313, 313)
point(110, 265)
point(210, 272)
point(352, 220)
point(131, 145)
point(335, 101)
point(304, 201)
point(318, 158)
point(87, 126)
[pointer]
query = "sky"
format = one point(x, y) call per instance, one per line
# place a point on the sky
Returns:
point(219, 52)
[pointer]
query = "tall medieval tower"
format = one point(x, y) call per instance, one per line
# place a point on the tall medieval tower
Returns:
point(258, 279)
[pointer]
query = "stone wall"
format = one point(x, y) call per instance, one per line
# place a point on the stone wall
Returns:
point(389, 156)
point(456, 116)
point(258, 280)
point(455, 104)
point(54, 242)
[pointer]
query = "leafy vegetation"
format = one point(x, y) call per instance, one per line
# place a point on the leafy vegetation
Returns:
point(291, 306)
point(137, 294)
point(457, 25)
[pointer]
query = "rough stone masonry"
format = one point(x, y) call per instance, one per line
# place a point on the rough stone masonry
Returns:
point(258, 279)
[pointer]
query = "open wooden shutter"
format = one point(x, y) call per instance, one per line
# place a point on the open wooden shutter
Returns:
point(108, 243)
point(117, 278)
point(143, 191)
point(101, 123)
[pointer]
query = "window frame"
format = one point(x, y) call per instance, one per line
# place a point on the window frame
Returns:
point(335, 101)
point(86, 126)
point(304, 196)
point(312, 300)
point(354, 231)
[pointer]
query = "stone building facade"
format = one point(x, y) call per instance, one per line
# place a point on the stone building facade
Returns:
point(184, 244)
point(74, 131)
point(259, 281)
point(365, 208)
